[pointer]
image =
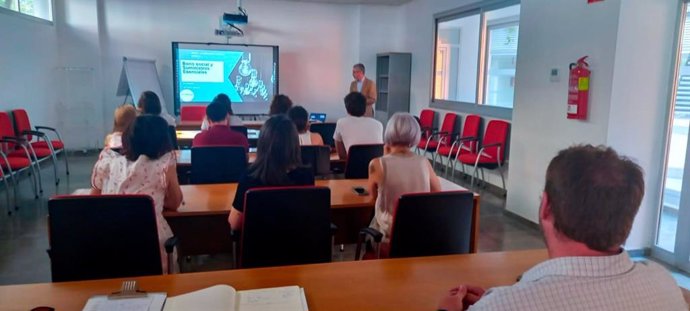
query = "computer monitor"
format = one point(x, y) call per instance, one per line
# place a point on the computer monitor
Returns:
point(317, 117)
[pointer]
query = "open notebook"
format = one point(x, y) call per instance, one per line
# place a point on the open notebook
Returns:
point(226, 298)
point(214, 298)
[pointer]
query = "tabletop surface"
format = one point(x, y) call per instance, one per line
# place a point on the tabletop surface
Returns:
point(391, 284)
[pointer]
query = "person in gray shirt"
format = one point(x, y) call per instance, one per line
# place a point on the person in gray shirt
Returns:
point(587, 209)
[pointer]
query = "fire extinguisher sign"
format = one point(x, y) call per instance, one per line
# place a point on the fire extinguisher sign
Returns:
point(593, 1)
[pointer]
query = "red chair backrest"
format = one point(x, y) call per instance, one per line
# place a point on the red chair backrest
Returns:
point(448, 126)
point(449, 122)
point(21, 122)
point(6, 129)
point(496, 132)
point(471, 129)
point(192, 113)
point(426, 118)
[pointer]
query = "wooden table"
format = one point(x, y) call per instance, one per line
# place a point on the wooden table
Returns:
point(203, 216)
point(391, 284)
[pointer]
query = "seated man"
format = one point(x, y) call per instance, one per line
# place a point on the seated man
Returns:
point(219, 132)
point(587, 209)
point(356, 129)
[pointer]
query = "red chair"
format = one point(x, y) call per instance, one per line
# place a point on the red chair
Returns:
point(192, 113)
point(42, 150)
point(7, 186)
point(466, 142)
point(491, 155)
point(440, 138)
point(426, 123)
point(16, 155)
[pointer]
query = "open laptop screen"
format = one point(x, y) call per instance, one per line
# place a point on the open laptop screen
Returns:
point(317, 117)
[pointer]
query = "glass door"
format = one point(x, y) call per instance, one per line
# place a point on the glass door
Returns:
point(672, 243)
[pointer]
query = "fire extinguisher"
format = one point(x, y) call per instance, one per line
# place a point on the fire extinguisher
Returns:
point(578, 89)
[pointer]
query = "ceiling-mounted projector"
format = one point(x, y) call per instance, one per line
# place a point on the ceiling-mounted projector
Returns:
point(228, 23)
point(232, 19)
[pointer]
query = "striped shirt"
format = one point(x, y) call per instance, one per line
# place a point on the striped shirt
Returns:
point(588, 283)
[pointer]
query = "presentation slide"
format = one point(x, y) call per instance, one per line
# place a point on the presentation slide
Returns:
point(246, 73)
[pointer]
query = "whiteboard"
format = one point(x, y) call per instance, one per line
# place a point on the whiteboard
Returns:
point(139, 75)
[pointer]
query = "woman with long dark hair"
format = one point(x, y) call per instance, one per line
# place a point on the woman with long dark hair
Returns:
point(147, 166)
point(278, 163)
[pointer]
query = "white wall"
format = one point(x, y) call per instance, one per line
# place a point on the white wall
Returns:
point(640, 99)
point(316, 42)
point(27, 64)
point(540, 128)
point(379, 32)
point(319, 43)
point(82, 117)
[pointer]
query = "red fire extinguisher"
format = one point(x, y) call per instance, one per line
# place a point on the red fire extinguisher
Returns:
point(578, 89)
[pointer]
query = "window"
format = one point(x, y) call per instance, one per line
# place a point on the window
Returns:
point(673, 226)
point(476, 52)
point(42, 9)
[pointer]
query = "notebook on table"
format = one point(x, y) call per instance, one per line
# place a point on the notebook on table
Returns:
point(226, 298)
point(214, 298)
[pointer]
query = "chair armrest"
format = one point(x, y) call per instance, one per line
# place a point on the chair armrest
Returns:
point(170, 244)
point(169, 248)
point(466, 138)
point(375, 234)
point(14, 140)
point(41, 127)
point(36, 133)
point(52, 129)
point(492, 145)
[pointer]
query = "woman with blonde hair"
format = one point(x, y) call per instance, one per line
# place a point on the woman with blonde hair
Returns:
point(124, 116)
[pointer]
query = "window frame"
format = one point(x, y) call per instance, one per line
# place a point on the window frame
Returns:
point(498, 24)
point(17, 13)
point(477, 107)
point(672, 258)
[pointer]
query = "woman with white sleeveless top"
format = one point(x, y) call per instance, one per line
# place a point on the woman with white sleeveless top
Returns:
point(398, 172)
point(300, 118)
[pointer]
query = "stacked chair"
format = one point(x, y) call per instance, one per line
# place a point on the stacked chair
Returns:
point(18, 156)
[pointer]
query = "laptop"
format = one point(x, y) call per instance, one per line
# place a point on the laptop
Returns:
point(317, 117)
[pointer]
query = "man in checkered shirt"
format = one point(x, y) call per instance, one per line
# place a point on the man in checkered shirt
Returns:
point(586, 213)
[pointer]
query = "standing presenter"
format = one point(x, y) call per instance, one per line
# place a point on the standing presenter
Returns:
point(365, 86)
